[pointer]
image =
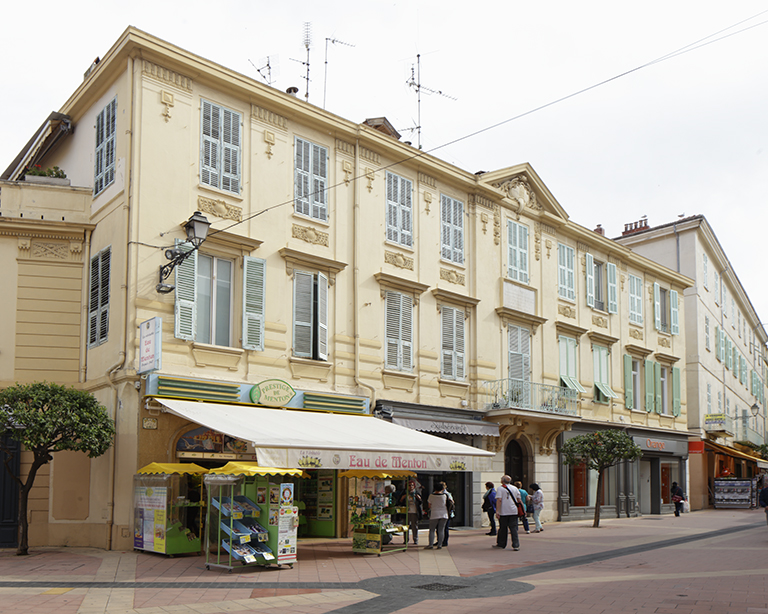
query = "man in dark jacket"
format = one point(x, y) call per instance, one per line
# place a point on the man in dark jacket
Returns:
point(677, 498)
point(764, 499)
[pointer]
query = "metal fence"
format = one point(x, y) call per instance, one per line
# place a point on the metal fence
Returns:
point(519, 394)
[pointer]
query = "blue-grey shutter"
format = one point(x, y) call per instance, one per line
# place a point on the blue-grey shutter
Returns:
point(303, 313)
point(406, 332)
point(674, 312)
point(657, 306)
point(613, 302)
point(650, 396)
point(230, 155)
point(629, 395)
point(104, 168)
point(590, 266)
point(458, 232)
point(322, 316)
point(459, 343)
point(657, 386)
point(319, 182)
point(210, 163)
point(98, 300)
point(254, 271)
point(406, 213)
point(392, 333)
point(186, 294)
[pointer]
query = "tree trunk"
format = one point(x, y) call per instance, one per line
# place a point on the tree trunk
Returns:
point(596, 523)
point(24, 489)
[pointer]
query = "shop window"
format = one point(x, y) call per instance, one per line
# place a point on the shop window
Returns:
point(583, 486)
point(670, 472)
point(310, 315)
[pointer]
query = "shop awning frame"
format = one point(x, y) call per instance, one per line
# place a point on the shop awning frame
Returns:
point(291, 438)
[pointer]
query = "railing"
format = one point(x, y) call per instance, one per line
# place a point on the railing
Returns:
point(745, 433)
point(518, 394)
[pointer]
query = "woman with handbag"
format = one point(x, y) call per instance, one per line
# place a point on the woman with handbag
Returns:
point(438, 515)
point(677, 498)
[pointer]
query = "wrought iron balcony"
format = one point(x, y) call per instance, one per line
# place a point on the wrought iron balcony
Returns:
point(518, 394)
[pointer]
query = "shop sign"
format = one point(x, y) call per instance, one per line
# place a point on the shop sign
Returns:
point(150, 345)
point(714, 422)
point(272, 393)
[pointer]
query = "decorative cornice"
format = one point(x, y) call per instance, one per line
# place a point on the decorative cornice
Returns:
point(452, 276)
point(582, 247)
point(220, 208)
point(667, 358)
point(508, 315)
point(165, 75)
point(296, 259)
point(637, 350)
point(476, 199)
point(399, 260)
point(427, 180)
point(371, 156)
point(310, 235)
point(400, 284)
point(344, 147)
point(601, 338)
point(269, 117)
point(446, 296)
point(569, 329)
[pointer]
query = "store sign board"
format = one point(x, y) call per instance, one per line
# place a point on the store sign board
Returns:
point(713, 421)
point(378, 461)
point(150, 345)
point(272, 393)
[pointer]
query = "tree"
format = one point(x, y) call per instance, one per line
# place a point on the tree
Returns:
point(47, 418)
point(598, 451)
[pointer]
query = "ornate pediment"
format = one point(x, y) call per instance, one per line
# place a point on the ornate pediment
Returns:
point(519, 191)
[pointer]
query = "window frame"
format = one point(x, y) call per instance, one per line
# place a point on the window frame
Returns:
point(312, 345)
point(452, 343)
point(105, 154)
point(310, 184)
point(602, 374)
point(211, 337)
point(519, 345)
point(452, 230)
point(517, 252)
point(569, 375)
point(566, 272)
point(98, 297)
point(216, 167)
point(398, 331)
point(399, 210)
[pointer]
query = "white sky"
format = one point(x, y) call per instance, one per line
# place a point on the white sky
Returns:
point(687, 135)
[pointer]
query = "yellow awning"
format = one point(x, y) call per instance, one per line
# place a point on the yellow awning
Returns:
point(378, 475)
point(173, 468)
point(251, 469)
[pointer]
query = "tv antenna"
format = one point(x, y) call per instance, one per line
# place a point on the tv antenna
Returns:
point(415, 83)
point(335, 41)
point(268, 64)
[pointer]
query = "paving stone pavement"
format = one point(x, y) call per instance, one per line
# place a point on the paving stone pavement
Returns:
point(710, 562)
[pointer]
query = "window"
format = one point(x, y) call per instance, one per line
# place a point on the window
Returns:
point(662, 392)
point(568, 364)
point(603, 390)
point(220, 147)
point(399, 331)
point(519, 353)
point(725, 300)
point(452, 219)
point(582, 486)
point(706, 333)
point(666, 314)
point(635, 299)
point(205, 300)
point(104, 173)
point(566, 278)
point(709, 398)
point(666, 380)
point(633, 383)
point(452, 343)
point(311, 179)
point(98, 302)
point(705, 275)
point(310, 315)
point(517, 240)
point(601, 285)
point(719, 401)
point(716, 288)
point(399, 213)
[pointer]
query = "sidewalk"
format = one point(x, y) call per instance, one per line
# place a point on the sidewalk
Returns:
point(715, 560)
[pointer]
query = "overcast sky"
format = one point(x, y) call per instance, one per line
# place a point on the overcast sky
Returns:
point(687, 135)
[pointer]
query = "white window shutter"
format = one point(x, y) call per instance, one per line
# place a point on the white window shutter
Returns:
point(674, 312)
point(706, 274)
point(590, 266)
point(459, 330)
point(406, 332)
point(448, 323)
point(458, 232)
point(230, 159)
point(446, 224)
point(322, 316)
point(301, 170)
point(613, 302)
point(186, 295)
point(406, 221)
point(513, 265)
point(570, 273)
point(629, 394)
point(303, 313)
point(210, 163)
point(254, 270)
point(393, 319)
point(393, 226)
point(657, 306)
point(319, 182)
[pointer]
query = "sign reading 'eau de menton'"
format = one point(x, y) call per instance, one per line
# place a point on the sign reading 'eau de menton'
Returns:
point(272, 393)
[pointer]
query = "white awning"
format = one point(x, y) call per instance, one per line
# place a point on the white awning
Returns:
point(460, 427)
point(293, 438)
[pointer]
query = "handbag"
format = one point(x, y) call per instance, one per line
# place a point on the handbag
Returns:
point(518, 503)
point(676, 498)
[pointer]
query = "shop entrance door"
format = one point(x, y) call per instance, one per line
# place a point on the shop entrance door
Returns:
point(516, 463)
point(9, 498)
point(645, 487)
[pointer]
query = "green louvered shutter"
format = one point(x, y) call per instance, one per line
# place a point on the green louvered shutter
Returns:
point(674, 312)
point(254, 270)
point(676, 405)
point(657, 387)
point(650, 387)
point(186, 295)
point(590, 273)
point(628, 388)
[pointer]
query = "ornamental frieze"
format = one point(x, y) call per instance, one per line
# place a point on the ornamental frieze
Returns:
point(168, 76)
point(310, 235)
point(665, 342)
point(219, 208)
point(600, 321)
point(567, 311)
point(398, 260)
point(269, 117)
point(636, 334)
point(452, 276)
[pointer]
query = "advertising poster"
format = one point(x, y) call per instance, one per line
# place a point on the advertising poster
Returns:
point(274, 494)
point(149, 518)
point(286, 534)
point(261, 495)
point(273, 516)
point(286, 494)
point(138, 528)
point(159, 528)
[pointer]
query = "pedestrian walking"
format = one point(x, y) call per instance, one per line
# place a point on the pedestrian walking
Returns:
point(537, 498)
point(506, 512)
point(438, 515)
point(526, 502)
point(764, 499)
point(412, 500)
point(489, 506)
point(677, 498)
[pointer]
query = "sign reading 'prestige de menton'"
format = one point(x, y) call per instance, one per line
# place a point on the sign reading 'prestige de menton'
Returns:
point(272, 393)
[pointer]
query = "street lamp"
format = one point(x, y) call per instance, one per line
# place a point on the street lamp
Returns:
point(197, 230)
point(755, 410)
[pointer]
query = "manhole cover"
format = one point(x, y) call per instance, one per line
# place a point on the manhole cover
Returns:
point(436, 586)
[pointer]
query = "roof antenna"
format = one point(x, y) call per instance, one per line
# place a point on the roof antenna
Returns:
point(335, 41)
point(307, 44)
point(415, 83)
point(267, 65)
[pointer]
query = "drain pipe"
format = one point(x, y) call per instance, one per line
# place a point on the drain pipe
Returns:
point(356, 275)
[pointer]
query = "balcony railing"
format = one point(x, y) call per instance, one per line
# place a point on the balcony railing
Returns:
point(518, 394)
point(747, 434)
point(719, 424)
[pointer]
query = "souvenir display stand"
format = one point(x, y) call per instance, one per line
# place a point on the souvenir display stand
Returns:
point(251, 516)
point(168, 508)
point(371, 513)
point(736, 493)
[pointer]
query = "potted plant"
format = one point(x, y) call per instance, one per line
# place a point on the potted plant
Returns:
point(50, 176)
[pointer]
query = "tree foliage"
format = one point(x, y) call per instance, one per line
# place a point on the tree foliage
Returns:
point(47, 418)
point(598, 451)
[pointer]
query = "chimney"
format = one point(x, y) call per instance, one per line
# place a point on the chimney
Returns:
point(293, 90)
point(633, 227)
point(600, 230)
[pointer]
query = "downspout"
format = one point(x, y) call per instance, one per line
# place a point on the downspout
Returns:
point(356, 274)
point(124, 295)
point(85, 298)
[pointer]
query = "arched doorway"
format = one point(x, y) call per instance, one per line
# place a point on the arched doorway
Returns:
point(516, 463)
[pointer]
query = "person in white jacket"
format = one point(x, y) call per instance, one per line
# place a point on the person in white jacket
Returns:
point(538, 505)
point(506, 511)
